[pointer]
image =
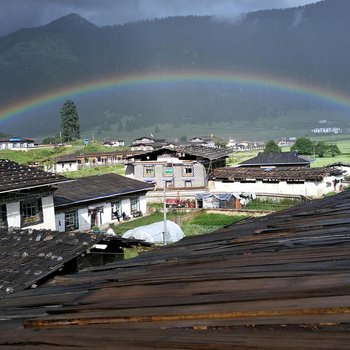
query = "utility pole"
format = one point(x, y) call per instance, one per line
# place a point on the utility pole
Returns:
point(165, 229)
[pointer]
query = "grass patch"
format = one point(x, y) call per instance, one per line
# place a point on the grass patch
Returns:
point(36, 155)
point(97, 170)
point(260, 204)
point(205, 223)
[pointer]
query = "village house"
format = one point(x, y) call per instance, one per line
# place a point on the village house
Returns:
point(98, 200)
point(302, 181)
point(26, 196)
point(62, 164)
point(16, 143)
point(204, 141)
point(76, 162)
point(276, 159)
point(113, 143)
point(344, 167)
point(176, 168)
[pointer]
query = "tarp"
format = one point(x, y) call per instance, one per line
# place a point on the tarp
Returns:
point(154, 233)
point(212, 200)
point(225, 196)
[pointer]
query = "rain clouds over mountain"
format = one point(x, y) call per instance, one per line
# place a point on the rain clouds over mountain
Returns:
point(309, 44)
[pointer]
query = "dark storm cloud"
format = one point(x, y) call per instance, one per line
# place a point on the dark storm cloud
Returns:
point(16, 14)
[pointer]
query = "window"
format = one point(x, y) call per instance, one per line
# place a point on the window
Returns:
point(188, 183)
point(168, 170)
point(31, 212)
point(134, 205)
point(169, 184)
point(3, 216)
point(148, 170)
point(187, 170)
point(71, 221)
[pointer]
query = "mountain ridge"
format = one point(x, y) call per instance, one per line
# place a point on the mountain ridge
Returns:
point(301, 44)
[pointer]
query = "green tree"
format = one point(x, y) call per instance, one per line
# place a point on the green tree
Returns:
point(321, 149)
point(333, 150)
point(272, 146)
point(303, 146)
point(69, 122)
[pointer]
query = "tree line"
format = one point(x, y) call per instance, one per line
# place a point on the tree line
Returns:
point(305, 146)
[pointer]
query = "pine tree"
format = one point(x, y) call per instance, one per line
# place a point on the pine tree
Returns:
point(69, 122)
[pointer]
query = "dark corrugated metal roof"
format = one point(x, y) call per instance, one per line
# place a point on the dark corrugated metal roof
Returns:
point(272, 283)
point(275, 158)
point(97, 187)
point(197, 151)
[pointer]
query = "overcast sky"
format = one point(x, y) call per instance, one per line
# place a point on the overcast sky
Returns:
point(16, 14)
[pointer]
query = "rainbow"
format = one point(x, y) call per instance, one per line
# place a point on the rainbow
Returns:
point(299, 88)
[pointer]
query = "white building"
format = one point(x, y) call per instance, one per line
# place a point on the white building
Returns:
point(302, 181)
point(16, 143)
point(98, 200)
point(113, 143)
point(26, 196)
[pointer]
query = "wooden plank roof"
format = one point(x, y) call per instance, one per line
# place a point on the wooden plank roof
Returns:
point(276, 174)
point(272, 283)
point(97, 187)
point(14, 176)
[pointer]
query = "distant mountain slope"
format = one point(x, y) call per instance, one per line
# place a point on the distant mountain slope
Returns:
point(309, 43)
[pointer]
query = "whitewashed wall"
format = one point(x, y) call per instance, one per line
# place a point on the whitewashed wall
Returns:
point(309, 189)
point(14, 217)
point(106, 217)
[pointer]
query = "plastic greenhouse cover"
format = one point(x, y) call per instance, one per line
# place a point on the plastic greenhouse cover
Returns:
point(154, 233)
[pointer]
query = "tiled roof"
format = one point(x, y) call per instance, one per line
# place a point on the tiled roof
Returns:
point(14, 176)
point(28, 256)
point(275, 158)
point(91, 188)
point(277, 282)
point(278, 173)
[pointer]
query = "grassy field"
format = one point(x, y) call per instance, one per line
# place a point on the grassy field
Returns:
point(97, 170)
point(199, 224)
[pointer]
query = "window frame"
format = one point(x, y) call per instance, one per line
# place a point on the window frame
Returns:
point(31, 212)
point(185, 167)
point(147, 167)
point(75, 224)
point(165, 168)
point(3, 215)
